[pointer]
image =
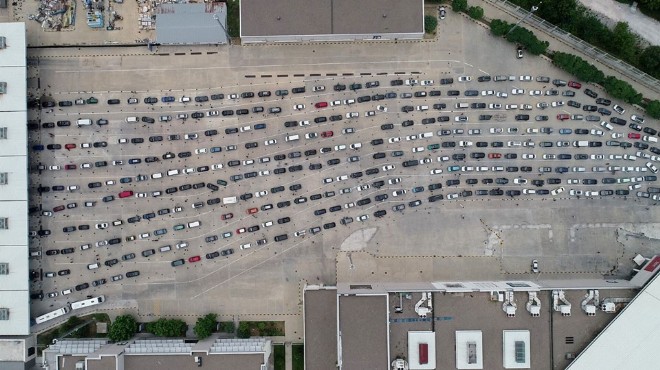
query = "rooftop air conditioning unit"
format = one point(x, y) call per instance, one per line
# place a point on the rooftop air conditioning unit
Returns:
point(3, 42)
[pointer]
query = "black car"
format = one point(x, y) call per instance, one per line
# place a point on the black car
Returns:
point(82, 286)
point(458, 156)
point(184, 154)
point(333, 161)
point(477, 155)
point(378, 214)
point(339, 87)
point(137, 140)
point(410, 163)
point(283, 220)
point(590, 93)
point(150, 100)
point(379, 155)
point(522, 117)
point(217, 96)
point(111, 262)
point(387, 126)
point(298, 90)
point(132, 274)
point(372, 171)
point(64, 272)
point(63, 123)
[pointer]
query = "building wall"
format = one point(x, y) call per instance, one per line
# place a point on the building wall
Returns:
point(317, 38)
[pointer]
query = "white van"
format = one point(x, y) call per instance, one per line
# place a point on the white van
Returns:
point(166, 248)
point(132, 119)
point(172, 172)
point(67, 291)
point(84, 122)
point(157, 175)
point(651, 139)
point(422, 107)
point(92, 266)
point(229, 200)
point(194, 224)
point(462, 105)
point(292, 138)
point(511, 106)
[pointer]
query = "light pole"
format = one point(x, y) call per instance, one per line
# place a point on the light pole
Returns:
point(534, 8)
point(215, 16)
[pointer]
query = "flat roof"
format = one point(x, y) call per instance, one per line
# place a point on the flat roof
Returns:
point(630, 340)
point(320, 329)
point(326, 17)
point(191, 23)
point(415, 340)
point(14, 287)
point(363, 323)
point(469, 349)
point(186, 362)
point(510, 340)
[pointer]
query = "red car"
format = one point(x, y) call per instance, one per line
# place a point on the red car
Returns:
point(194, 259)
point(494, 155)
point(69, 146)
point(563, 117)
point(126, 194)
point(70, 167)
point(634, 135)
point(327, 134)
point(58, 208)
point(575, 85)
point(252, 211)
point(227, 216)
point(240, 231)
point(321, 104)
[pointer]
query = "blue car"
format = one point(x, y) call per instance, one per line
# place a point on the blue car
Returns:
point(260, 126)
point(167, 99)
point(565, 131)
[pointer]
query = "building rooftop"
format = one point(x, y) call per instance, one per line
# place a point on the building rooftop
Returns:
point(190, 23)
point(324, 17)
point(320, 328)
point(363, 324)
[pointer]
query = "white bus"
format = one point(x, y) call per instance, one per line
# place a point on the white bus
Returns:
point(87, 302)
point(51, 315)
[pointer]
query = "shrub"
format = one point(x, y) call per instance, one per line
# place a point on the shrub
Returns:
point(653, 109)
point(579, 67)
point(243, 330)
point(430, 23)
point(621, 90)
point(123, 328)
point(649, 61)
point(205, 326)
point(167, 328)
point(459, 5)
point(476, 12)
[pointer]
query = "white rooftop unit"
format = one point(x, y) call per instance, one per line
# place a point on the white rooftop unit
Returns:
point(560, 303)
point(421, 350)
point(534, 304)
point(516, 349)
point(469, 349)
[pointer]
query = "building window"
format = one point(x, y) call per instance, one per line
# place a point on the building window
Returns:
point(4, 223)
point(4, 268)
point(4, 178)
point(4, 314)
point(3, 132)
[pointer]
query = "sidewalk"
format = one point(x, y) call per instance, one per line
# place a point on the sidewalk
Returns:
point(494, 9)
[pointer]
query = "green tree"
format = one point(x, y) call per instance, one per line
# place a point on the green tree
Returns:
point(205, 326)
point(430, 23)
point(653, 109)
point(167, 328)
point(459, 5)
point(476, 12)
point(650, 4)
point(578, 67)
point(649, 61)
point(243, 330)
point(123, 328)
point(499, 27)
point(621, 90)
point(626, 41)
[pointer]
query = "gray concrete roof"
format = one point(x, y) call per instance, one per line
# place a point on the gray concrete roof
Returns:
point(321, 17)
point(186, 362)
point(191, 23)
point(321, 329)
point(363, 325)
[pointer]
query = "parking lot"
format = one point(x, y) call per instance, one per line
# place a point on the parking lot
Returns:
point(260, 189)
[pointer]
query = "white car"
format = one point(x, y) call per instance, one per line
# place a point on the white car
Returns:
point(534, 92)
point(616, 135)
point(501, 94)
point(557, 191)
point(532, 130)
point(461, 118)
point(528, 156)
point(425, 160)
point(352, 115)
point(464, 78)
point(110, 182)
point(328, 180)
point(597, 156)
point(393, 140)
point(394, 181)
point(520, 181)
point(270, 142)
point(212, 113)
point(496, 130)
point(102, 225)
point(260, 194)
point(216, 166)
point(426, 82)
point(572, 181)
point(495, 106)
point(55, 168)
point(388, 167)
point(411, 137)
point(362, 218)
point(596, 132)
point(299, 233)
point(436, 171)
point(335, 103)
point(303, 123)
point(370, 113)
point(342, 178)
point(356, 146)
point(141, 195)
point(557, 104)
point(464, 144)
point(264, 173)
point(396, 193)
point(299, 107)
point(311, 135)
point(349, 101)
point(340, 147)
point(575, 192)
point(517, 92)
point(381, 108)
point(117, 163)
point(525, 78)
point(246, 246)
point(201, 151)
point(349, 205)
point(122, 141)
point(452, 196)
point(318, 88)
point(194, 136)
point(363, 187)
point(487, 92)
point(418, 149)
